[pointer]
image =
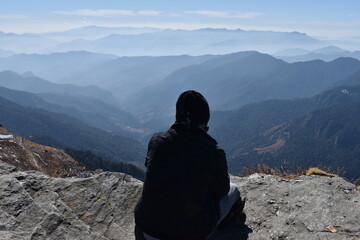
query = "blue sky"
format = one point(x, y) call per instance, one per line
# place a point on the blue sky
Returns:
point(319, 18)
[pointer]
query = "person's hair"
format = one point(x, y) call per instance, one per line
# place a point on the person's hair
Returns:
point(192, 107)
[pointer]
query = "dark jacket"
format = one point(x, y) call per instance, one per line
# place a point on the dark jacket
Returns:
point(185, 178)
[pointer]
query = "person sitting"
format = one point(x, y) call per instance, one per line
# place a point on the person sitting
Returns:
point(187, 191)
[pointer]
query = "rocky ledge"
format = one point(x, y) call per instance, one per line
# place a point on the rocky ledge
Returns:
point(34, 206)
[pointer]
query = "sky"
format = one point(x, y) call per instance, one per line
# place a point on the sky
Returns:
point(326, 19)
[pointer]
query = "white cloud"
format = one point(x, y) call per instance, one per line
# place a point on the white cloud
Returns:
point(226, 14)
point(175, 15)
point(108, 13)
point(12, 16)
point(97, 13)
point(149, 13)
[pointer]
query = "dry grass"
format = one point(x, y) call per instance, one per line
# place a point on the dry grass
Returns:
point(285, 172)
point(40, 147)
point(4, 131)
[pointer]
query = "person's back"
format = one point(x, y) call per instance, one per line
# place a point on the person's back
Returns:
point(186, 177)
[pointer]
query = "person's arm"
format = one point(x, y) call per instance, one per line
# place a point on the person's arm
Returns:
point(222, 181)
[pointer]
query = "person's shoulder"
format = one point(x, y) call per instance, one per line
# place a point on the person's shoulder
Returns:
point(211, 139)
point(162, 136)
point(215, 145)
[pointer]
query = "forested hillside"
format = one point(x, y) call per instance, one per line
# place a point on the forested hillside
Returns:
point(59, 130)
point(298, 133)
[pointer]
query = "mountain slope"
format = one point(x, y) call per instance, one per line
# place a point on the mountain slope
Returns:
point(122, 76)
point(25, 43)
point(329, 136)
point(275, 131)
point(33, 84)
point(306, 79)
point(27, 155)
point(252, 119)
point(125, 76)
point(351, 80)
point(218, 79)
point(55, 66)
point(59, 130)
point(95, 112)
point(87, 109)
point(93, 162)
point(328, 53)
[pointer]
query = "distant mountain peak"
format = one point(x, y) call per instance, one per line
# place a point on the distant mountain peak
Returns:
point(28, 74)
point(329, 50)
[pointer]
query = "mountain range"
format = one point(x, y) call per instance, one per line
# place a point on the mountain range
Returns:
point(56, 66)
point(62, 131)
point(156, 42)
point(126, 76)
point(25, 43)
point(87, 109)
point(139, 84)
point(30, 83)
point(233, 80)
point(256, 100)
point(328, 53)
point(195, 42)
point(95, 32)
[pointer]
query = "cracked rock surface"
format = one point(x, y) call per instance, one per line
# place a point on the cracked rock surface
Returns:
point(301, 208)
point(34, 206)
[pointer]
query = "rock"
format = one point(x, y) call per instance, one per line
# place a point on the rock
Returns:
point(35, 206)
point(302, 208)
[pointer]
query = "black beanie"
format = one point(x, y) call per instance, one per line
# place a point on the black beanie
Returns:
point(192, 106)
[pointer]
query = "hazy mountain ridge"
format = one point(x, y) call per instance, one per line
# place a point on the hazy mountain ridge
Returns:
point(59, 130)
point(87, 109)
point(195, 42)
point(140, 83)
point(328, 53)
point(125, 76)
point(56, 66)
point(35, 84)
point(209, 78)
point(230, 81)
point(25, 43)
point(156, 42)
point(227, 81)
point(6, 53)
point(95, 32)
point(351, 80)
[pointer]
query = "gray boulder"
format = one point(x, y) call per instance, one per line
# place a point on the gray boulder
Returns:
point(34, 206)
point(302, 208)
